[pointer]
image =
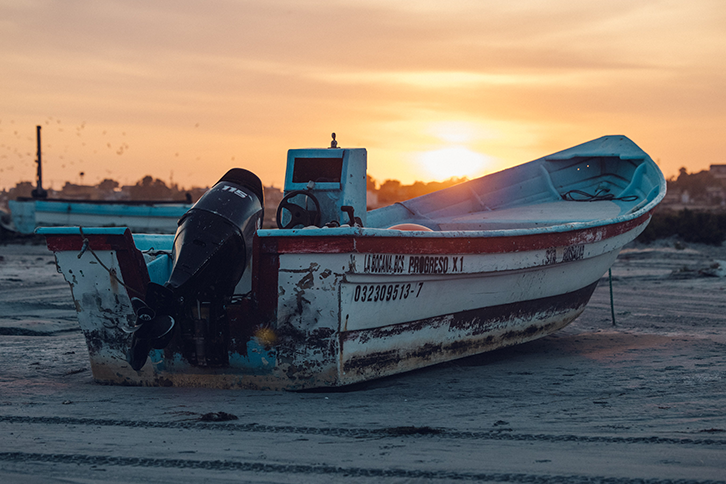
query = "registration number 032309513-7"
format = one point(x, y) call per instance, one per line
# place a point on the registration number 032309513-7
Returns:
point(369, 293)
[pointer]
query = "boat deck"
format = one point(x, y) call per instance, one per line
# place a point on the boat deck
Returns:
point(533, 216)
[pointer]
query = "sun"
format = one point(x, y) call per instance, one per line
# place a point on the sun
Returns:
point(453, 161)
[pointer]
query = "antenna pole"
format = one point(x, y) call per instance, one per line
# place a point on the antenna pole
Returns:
point(39, 192)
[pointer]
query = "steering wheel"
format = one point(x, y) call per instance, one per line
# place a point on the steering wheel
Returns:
point(298, 215)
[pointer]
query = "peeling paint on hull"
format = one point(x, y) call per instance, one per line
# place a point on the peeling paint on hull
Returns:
point(333, 321)
point(436, 340)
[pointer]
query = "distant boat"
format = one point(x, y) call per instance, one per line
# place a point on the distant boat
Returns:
point(336, 295)
point(139, 216)
point(29, 213)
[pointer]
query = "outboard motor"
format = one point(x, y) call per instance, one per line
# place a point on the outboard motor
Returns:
point(212, 247)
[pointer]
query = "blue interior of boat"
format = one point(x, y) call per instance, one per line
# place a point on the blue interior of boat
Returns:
point(602, 180)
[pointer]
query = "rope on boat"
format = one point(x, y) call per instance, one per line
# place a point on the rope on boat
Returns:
point(112, 272)
point(598, 196)
point(612, 305)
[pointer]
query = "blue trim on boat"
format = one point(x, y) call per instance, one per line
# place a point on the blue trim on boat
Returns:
point(77, 230)
point(176, 210)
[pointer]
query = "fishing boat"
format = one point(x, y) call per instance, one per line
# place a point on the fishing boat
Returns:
point(159, 216)
point(336, 294)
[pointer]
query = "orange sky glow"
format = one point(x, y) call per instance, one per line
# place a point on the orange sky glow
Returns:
point(184, 90)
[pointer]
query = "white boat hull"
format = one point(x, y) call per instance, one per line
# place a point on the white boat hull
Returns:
point(342, 317)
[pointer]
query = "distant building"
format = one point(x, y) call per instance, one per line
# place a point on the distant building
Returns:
point(273, 197)
point(718, 171)
point(79, 192)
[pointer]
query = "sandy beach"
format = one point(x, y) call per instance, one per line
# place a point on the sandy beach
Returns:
point(641, 401)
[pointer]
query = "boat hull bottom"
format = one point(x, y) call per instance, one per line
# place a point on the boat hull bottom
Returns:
point(376, 353)
point(436, 340)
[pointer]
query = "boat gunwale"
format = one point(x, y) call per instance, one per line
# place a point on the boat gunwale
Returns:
point(315, 232)
point(359, 240)
point(459, 242)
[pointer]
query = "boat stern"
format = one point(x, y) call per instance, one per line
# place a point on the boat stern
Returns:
point(104, 270)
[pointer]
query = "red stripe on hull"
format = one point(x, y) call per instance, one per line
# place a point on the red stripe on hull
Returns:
point(265, 268)
point(421, 244)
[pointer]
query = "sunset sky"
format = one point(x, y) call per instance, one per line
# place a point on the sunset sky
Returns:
point(183, 90)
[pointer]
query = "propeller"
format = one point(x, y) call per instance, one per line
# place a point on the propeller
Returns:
point(152, 331)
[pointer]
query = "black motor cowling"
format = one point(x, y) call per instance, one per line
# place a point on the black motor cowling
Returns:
point(212, 248)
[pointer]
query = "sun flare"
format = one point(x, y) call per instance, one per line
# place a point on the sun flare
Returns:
point(454, 161)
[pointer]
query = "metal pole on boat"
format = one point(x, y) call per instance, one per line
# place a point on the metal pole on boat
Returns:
point(612, 304)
